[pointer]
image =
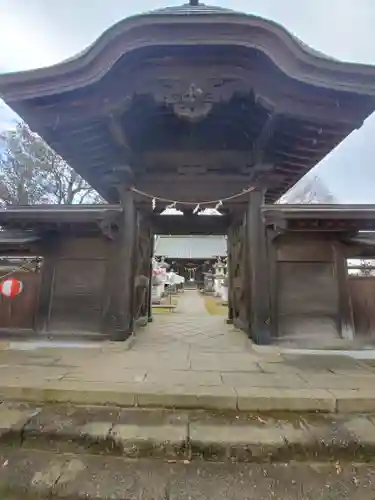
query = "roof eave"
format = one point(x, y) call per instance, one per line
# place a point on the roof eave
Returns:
point(343, 76)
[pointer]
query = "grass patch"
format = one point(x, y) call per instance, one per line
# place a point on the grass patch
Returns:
point(162, 310)
point(174, 300)
point(166, 301)
point(214, 307)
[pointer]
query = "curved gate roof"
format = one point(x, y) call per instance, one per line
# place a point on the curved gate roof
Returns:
point(266, 107)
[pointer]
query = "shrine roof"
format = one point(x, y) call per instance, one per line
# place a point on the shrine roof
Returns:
point(328, 218)
point(190, 91)
point(55, 214)
point(198, 14)
point(17, 237)
point(202, 9)
point(188, 10)
point(314, 217)
point(365, 238)
point(309, 211)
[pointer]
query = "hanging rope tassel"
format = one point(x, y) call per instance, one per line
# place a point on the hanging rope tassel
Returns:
point(173, 204)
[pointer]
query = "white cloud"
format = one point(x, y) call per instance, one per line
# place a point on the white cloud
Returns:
point(23, 44)
point(36, 33)
point(8, 118)
point(42, 32)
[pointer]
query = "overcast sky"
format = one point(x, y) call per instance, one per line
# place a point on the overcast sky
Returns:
point(35, 33)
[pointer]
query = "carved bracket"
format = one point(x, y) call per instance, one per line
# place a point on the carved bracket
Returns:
point(192, 104)
point(109, 226)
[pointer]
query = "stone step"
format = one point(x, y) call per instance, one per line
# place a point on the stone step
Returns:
point(189, 435)
point(35, 474)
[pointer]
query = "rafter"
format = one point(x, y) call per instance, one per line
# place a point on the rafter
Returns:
point(117, 132)
point(264, 138)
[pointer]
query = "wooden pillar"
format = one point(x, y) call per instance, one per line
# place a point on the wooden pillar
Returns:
point(273, 275)
point(239, 279)
point(149, 305)
point(124, 277)
point(345, 308)
point(230, 318)
point(257, 270)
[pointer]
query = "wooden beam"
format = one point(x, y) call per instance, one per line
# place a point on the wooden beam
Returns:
point(327, 225)
point(296, 101)
point(194, 224)
point(316, 113)
point(117, 132)
point(264, 138)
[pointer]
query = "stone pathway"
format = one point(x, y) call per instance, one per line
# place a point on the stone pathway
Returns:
point(187, 359)
point(190, 330)
point(191, 303)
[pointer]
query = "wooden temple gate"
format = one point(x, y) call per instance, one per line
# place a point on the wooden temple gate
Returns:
point(249, 287)
point(288, 278)
point(185, 104)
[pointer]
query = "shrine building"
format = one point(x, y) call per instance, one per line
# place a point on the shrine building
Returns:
point(191, 256)
point(195, 107)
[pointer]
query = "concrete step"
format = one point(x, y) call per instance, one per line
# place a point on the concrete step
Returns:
point(35, 474)
point(187, 435)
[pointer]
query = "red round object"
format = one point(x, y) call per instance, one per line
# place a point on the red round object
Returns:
point(11, 287)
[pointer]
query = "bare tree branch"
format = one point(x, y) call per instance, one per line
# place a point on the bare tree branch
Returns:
point(32, 173)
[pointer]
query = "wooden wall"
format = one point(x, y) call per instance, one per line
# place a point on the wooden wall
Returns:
point(307, 298)
point(79, 289)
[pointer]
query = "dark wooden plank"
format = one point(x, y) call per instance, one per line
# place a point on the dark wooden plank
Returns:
point(259, 310)
point(76, 305)
point(190, 224)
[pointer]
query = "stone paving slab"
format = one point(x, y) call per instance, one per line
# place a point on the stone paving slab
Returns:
point(352, 401)
point(218, 397)
point(197, 397)
point(289, 400)
point(32, 475)
point(188, 435)
point(190, 360)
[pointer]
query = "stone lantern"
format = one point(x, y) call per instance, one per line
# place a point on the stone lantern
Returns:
point(220, 274)
point(209, 282)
